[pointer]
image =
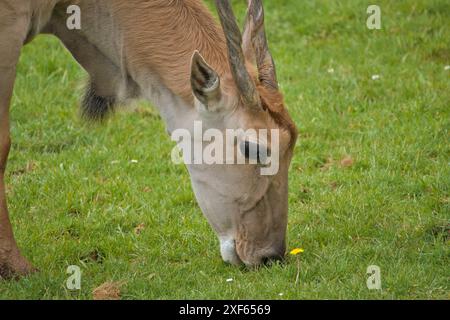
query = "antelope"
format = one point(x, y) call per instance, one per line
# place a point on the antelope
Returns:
point(174, 54)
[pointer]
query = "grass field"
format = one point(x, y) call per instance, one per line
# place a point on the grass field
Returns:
point(369, 183)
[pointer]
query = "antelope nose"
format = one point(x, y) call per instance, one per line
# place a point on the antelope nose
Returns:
point(269, 260)
point(276, 255)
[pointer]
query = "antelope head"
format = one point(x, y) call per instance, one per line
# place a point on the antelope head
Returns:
point(247, 209)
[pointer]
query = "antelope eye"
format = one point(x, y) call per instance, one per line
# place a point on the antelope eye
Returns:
point(255, 151)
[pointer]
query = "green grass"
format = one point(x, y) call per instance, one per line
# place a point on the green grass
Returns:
point(71, 203)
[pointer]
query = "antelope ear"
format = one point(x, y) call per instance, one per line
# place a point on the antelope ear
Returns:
point(205, 82)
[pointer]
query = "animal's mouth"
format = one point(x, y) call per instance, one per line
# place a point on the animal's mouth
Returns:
point(230, 255)
point(264, 259)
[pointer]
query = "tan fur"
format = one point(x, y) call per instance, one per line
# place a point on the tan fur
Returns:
point(163, 34)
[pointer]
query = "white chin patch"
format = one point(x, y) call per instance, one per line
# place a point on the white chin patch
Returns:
point(228, 251)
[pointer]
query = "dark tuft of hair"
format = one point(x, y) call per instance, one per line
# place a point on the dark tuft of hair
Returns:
point(96, 108)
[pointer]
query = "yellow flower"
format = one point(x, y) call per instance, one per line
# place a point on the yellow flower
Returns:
point(297, 251)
